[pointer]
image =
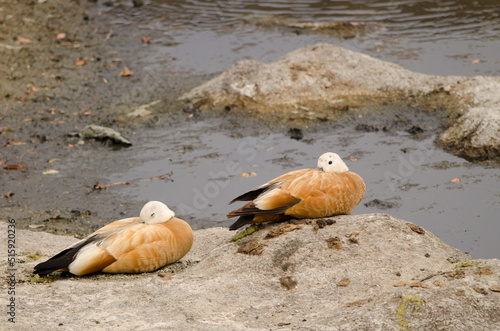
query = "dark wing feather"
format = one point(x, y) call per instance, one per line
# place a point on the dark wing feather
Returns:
point(254, 194)
point(251, 209)
point(63, 259)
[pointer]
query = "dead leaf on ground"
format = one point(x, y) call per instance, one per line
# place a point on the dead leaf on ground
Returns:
point(8, 194)
point(50, 172)
point(352, 237)
point(475, 61)
point(165, 276)
point(116, 59)
point(288, 282)
point(415, 228)
point(17, 143)
point(353, 158)
point(455, 180)
point(61, 36)
point(126, 72)
point(80, 62)
point(284, 228)
point(253, 247)
point(334, 243)
point(14, 167)
point(24, 40)
point(248, 174)
point(146, 40)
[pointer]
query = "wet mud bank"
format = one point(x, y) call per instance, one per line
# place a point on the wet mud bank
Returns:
point(59, 73)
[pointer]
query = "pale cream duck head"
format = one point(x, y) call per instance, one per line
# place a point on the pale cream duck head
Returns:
point(155, 212)
point(331, 162)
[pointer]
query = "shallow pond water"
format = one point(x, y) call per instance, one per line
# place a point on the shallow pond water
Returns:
point(442, 38)
point(410, 177)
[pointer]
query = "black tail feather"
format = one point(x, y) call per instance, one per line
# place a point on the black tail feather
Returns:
point(242, 220)
point(63, 259)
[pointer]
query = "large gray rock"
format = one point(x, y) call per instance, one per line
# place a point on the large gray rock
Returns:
point(321, 82)
point(364, 272)
point(476, 133)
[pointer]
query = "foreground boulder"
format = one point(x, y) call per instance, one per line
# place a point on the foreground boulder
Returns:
point(355, 272)
point(321, 82)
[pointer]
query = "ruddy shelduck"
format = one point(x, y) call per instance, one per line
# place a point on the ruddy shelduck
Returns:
point(132, 245)
point(330, 189)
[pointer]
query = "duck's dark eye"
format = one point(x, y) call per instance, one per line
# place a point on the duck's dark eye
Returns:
point(330, 162)
point(153, 215)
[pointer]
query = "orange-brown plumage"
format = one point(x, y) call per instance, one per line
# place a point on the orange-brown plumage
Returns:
point(329, 190)
point(132, 245)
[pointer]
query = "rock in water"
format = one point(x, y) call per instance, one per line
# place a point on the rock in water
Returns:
point(93, 131)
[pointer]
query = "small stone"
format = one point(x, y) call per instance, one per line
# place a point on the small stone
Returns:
point(36, 226)
point(399, 284)
point(100, 132)
point(324, 222)
point(296, 133)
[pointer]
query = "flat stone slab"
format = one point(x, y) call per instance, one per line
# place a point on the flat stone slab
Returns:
point(352, 272)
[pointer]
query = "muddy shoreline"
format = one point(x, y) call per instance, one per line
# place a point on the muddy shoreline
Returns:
point(59, 73)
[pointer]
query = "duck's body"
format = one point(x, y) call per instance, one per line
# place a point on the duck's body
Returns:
point(331, 189)
point(132, 245)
